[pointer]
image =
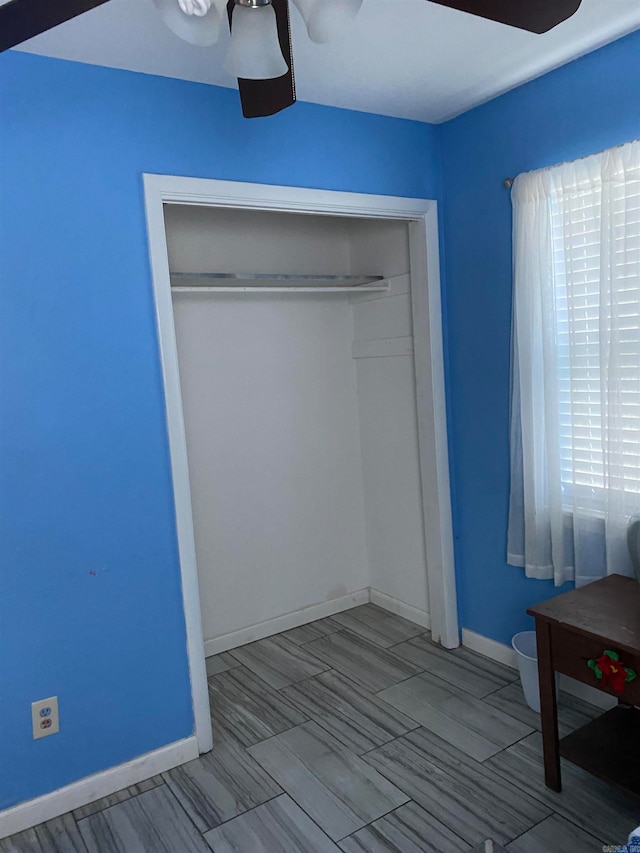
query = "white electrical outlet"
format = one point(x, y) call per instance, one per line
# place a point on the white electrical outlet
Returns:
point(44, 717)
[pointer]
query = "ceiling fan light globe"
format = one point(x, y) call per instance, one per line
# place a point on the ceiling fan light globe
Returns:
point(254, 52)
point(195, 7)
point(201, 30)
point(326, 20)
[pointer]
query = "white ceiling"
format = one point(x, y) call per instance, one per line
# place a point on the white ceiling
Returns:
point(406, 58)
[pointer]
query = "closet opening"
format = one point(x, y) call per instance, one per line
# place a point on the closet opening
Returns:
point(302, 380)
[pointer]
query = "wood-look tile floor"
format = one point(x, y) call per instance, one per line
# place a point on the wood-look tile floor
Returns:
point(356, 733)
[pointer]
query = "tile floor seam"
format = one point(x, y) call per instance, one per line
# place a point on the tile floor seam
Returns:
point(487, 737)
point(322, 637)
point(271, 637)
point(262, 683)
point(378, 649)
point(537, 796)
point(135, 797)
point(271, 737)
point(277, 734)
point(381, 817)
point(282, 793)
point(178, 801)
point(248, 695)
point(363, 693)
point(321, 782)
point(533, 826)
point(521, 788)
point(384, 745)
point(307, 678)
point(566, 820)
point(292, 798)
point(497, 690)
point(425, 634)
point(361, 754)
point(301, 807)
point(382, 773)
point(358, 688)
point(171, 795)
point(504, 748)
point(106, 797)
point(587, 831)
point(126, 800)
point(512, 680)
point(447, 684)
point(412, 800)
point(402, 680)
point(404, 805)
point(227, 724)
point(84, 844)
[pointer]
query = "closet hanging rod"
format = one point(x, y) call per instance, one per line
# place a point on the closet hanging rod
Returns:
point(308, 283)
point(363, 288)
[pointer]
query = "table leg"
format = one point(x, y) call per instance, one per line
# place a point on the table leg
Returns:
point(548, 707)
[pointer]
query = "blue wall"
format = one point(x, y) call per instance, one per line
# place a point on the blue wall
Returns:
point(89, 584)
point(590, 104)
point(90, 606)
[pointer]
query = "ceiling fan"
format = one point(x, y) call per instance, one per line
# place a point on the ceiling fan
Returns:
point(260, 53)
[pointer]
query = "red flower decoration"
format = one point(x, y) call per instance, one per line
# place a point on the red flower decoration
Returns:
point(611, 672)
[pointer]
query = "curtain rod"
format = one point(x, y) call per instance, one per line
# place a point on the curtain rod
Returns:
point(508, 182)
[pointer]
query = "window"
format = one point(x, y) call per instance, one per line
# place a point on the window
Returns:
point(590, 324)
point(575, 430)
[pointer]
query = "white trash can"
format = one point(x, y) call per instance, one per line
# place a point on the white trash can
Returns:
point(524, 644)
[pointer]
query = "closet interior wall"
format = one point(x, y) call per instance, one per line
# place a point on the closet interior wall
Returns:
point(385, 379)
point(301, 434)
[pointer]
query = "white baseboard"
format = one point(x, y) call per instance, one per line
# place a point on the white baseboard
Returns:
point(91, 788)
point(284, 623)
point(505, 654)
point(400, 608)
point(489, 648)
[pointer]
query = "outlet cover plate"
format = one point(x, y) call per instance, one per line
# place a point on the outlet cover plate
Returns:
point(44, 717)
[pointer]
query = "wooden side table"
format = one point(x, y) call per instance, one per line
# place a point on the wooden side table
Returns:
point(571, 629)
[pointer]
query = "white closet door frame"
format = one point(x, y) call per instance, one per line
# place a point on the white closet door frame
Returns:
point(429, 369)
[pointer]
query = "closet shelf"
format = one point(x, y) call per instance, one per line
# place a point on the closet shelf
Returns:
point(186, 282)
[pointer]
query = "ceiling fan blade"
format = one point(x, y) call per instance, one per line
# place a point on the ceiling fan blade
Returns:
point(536, 16)
point(265, 97)
point(22, 19)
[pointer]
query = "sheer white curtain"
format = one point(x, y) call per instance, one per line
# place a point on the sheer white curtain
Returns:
point(575, 403)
